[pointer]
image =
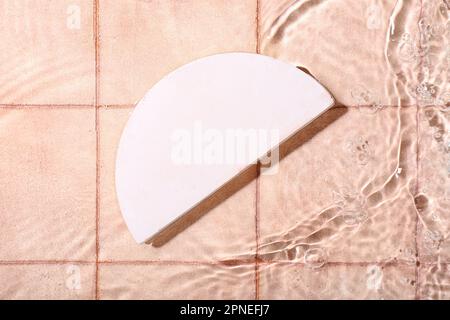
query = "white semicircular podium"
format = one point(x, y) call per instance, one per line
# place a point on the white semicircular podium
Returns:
point(164, 166)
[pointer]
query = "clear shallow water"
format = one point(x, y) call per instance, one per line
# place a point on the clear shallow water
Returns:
point(366, 204)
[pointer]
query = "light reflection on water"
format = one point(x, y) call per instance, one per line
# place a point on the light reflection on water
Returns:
point(390, 54)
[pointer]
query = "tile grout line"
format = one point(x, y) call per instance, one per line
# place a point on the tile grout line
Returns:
point(45, 106)
point(97, 140)
point(131, 106)
point(44, 262)
point(257, 207)
point(257, 280)
point(257, 31)
point(206, 262)
point(417, 271)
point(117, 106)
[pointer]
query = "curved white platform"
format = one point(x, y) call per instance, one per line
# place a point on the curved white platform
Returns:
point(169, 156)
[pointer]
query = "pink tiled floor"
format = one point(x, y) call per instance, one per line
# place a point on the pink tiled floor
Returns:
point(70, 74)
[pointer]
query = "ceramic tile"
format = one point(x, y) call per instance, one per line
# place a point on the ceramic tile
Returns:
point(225, 233)
point(35, 282)
point(346, 193)
point(296, 281)
point(433, 199)
point(47, 181)
point(176, 282)
point(47, 52)
point(365, 52)
point(155, 37)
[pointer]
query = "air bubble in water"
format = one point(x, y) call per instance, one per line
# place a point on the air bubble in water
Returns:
point(315, 258)
point(426, 92)
point(443, 99)
point(433, 239)
point(408, 51)
point(361, 95)
point(360, 150)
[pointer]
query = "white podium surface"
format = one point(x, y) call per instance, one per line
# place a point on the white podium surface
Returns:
point(203, 124)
